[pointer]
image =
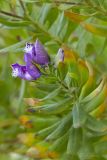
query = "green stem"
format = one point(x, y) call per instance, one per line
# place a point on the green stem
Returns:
point(60, 2)
point(68, 3)
point(63, 85)
point(21, 94)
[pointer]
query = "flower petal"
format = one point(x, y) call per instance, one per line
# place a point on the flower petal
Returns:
point(32, 69)
point(15, 70)
point(22, 72)
point(59, 57)
point(40, 55)
point(28, 58)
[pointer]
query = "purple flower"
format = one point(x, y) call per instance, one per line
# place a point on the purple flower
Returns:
point(59, 57)
point(37, 52)
point(29, 72)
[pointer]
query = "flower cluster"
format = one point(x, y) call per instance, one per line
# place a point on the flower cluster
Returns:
point(35, 54)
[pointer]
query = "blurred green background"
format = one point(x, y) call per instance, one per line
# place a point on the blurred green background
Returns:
point(23, 21)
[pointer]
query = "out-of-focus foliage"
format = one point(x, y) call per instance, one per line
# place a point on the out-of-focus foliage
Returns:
point(75, 128)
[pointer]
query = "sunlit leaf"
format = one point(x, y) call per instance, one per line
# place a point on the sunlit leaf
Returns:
point(75, 16)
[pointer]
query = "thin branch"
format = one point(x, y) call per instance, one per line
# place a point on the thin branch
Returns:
point(22, 5)
point(68, 3)
point(59, 2)
point(10, 14)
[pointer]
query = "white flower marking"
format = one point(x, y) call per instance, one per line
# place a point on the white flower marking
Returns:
point(28, 47)
point(15, 72)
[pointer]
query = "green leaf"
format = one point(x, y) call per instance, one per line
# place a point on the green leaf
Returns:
point(59, 27)
point(44, 13)
point(87, 150)
point(52, 94)
point(84, 38)
point(20, 23)
point(79, 116)
point(64, 126)
point(75, 16)
point(101, 147)
point(74, 141)
point(54, 108)
point(60, 144)
point(56, 29)
point(48, 130)
point(100, 30)
point(62, 70)
point(96, 125)
point(14, 47)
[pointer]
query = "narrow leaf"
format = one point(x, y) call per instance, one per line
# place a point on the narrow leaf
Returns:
point(20, 23)
point(100, 30)
point(75, 16)
point(52, 94)
point(14, 47)
point(74, 142)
